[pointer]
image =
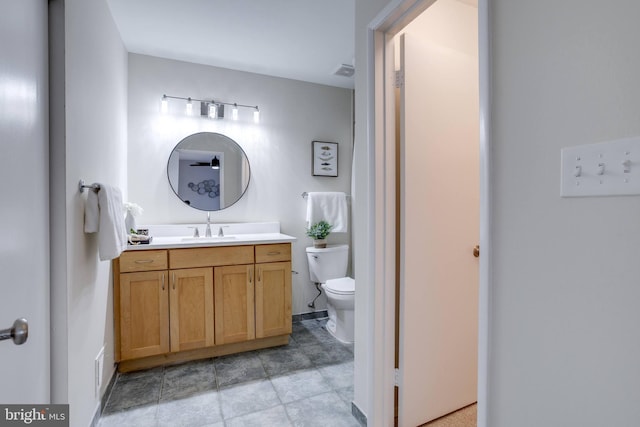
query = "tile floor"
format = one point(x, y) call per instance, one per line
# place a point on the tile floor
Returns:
point(306, 383)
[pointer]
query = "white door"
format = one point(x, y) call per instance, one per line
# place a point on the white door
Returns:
point(439, 217)
point(24, 195)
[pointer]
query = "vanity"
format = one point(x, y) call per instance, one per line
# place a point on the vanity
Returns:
point(182, 298)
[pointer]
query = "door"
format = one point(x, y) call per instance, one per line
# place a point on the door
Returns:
point(439, 227)
point(191, 308)
point(273, 299)
point(144, 314)
point(24, 191)
point(234, 303)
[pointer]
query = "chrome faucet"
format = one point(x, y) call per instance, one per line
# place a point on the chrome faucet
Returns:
point(207, 231)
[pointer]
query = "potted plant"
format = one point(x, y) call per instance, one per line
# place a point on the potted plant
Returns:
point(319, 232)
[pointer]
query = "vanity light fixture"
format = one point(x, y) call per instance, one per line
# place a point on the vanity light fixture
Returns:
point(213, 110)
point(210, 108)
point(215, 163)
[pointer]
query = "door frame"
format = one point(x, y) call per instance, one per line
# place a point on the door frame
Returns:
point(381, 130)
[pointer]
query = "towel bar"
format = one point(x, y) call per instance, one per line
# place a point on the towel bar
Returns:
point(82, 186)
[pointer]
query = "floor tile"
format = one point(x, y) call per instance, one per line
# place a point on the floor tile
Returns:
point(327, 354)
point(280, 360)
point(238, 368)
point(187, 379)
point(320, 411)
point(339, 375)
point(273, 417)
point(135, 391)
point(143, 416)
point(299, 384)
point(245, 398)
point(346, 394)
point(194, 411)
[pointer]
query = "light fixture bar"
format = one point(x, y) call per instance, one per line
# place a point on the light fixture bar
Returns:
point(210, 108)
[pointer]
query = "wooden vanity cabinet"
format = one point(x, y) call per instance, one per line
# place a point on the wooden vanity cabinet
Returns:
point(234, 302)
point(273, 290)
point(191, 309)
point(187, 303)
point(144, 314)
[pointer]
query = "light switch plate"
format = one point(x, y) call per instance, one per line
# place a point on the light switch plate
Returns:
point(604, 169)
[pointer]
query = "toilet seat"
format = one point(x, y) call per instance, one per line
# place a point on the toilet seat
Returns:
point(341, 286)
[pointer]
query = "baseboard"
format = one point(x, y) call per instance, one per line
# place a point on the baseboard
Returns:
point(358, 414)
point(313, 315)
point(103, 400)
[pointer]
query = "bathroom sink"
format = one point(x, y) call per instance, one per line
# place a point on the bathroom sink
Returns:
point(208, 239)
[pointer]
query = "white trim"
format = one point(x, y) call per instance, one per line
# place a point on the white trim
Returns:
point(486, 197)
point(382, 173)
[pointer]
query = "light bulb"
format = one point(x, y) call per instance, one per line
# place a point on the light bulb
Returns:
point(189, 107)
point(164, 105)
point(234, 112)
point(256, 115)
point(213, 110)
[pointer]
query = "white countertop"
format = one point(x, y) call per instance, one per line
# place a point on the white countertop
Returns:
point(173, 242)
point(172, 236)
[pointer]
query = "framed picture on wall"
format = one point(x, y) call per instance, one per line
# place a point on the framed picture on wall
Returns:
point(324, 160)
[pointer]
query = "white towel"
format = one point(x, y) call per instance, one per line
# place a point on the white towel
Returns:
point(103, 214)
point(328, 206)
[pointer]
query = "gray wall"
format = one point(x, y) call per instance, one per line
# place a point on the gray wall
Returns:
point(565, 293)
point(88, 141)
point(292, 114)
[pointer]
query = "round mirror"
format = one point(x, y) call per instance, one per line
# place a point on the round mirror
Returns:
point(208, 171)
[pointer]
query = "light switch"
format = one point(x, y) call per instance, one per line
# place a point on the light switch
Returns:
point(605, 169)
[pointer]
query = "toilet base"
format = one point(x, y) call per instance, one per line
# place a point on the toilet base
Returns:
point(340, 324)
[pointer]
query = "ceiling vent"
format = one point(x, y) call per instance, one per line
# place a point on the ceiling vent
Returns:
point(345, 70)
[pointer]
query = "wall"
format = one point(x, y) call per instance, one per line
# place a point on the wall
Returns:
point(363, 236)
point(89, 76)
point(565, 291)
point(292, 114)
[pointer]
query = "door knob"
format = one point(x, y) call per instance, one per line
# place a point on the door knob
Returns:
point(19, 332)
point(476, 251)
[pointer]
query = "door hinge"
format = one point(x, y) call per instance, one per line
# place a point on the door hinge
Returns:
point(399, 79)
point(396, 377)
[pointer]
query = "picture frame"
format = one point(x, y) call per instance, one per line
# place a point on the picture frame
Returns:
point(324, 158)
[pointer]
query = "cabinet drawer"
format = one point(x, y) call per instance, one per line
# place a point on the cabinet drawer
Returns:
point(210, 257)
point(273, 253)
point(143, 261)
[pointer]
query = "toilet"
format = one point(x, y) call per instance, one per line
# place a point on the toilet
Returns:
point(328, 266)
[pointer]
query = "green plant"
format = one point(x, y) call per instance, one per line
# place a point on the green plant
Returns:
point(319, 230)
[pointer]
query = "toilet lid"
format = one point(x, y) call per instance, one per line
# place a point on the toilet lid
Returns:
point(342, 286)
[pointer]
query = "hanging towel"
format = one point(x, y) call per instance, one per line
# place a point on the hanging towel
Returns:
point(103, 214)
point(328, 206)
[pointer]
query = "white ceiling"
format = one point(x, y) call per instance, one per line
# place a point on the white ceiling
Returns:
point(297, 39)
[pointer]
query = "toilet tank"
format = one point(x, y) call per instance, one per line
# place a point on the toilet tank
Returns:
point(327, 263)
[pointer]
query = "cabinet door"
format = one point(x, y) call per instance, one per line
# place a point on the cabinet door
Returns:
point(144, 314)
point(234, 303)
point(191, 308)
point(273, 299)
